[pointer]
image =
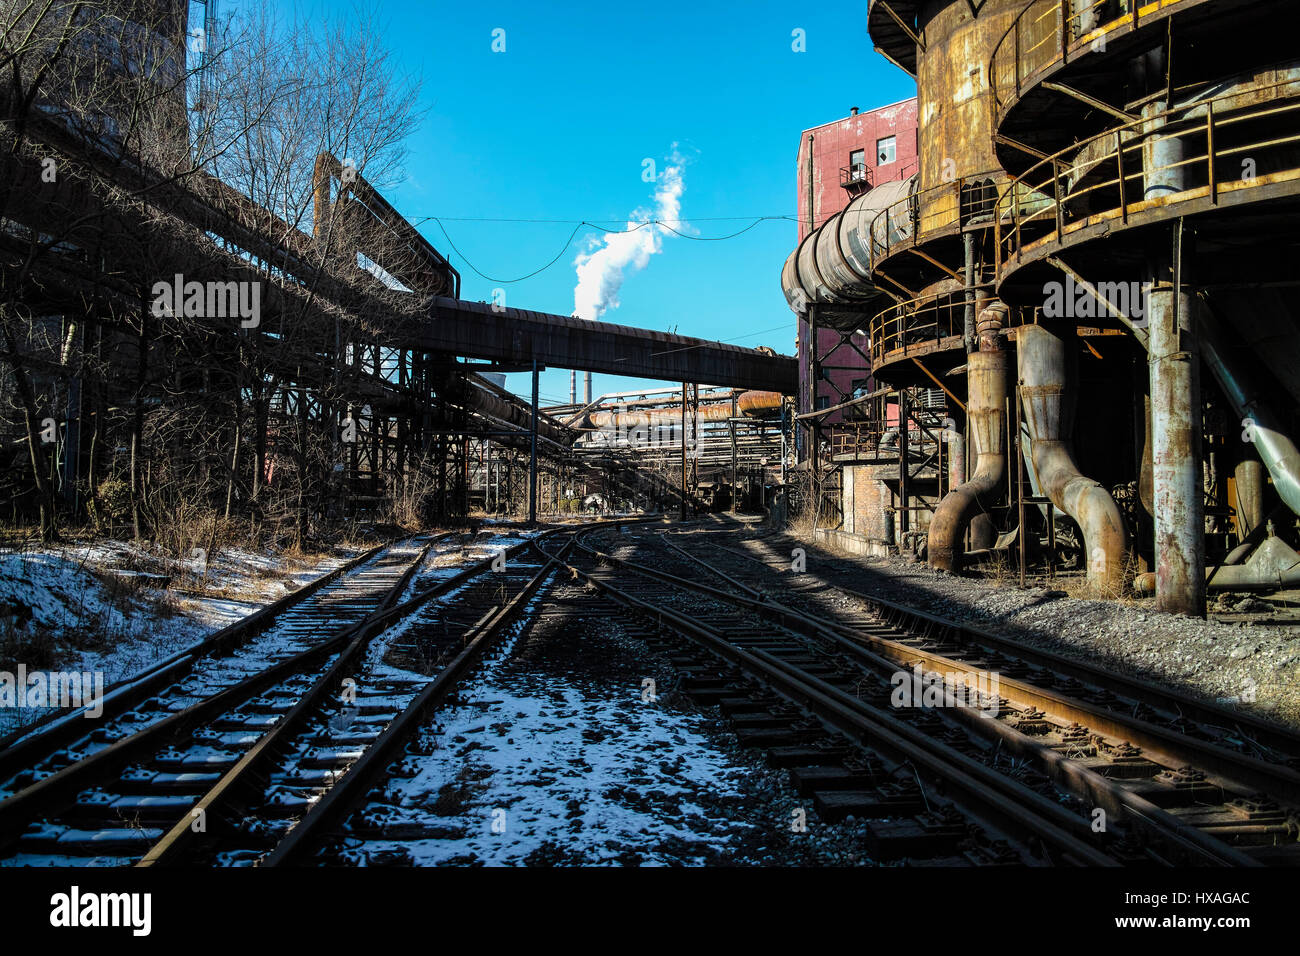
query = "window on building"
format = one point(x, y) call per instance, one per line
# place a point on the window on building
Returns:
point(886, 151)
point(858, 165)
point(823, 402)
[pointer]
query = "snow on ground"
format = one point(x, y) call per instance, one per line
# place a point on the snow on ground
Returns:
point(83, 607)
point(542, 767)
point(552, 757)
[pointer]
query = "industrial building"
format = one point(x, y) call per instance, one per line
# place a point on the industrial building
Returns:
point(1081, 306)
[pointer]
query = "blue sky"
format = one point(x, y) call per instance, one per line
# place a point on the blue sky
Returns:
point(558, 126)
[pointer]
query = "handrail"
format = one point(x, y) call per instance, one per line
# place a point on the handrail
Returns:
point(895, 330)
point(1103, 176)
point(971, 194)
point(1053, 31)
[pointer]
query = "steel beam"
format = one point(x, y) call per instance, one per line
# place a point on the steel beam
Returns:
point(479, 330)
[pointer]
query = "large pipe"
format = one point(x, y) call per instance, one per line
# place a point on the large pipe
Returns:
point(1047, 390)
point(832, 265)
point(753, 404)
point(1275, 448)
point(986, 384)
point(1248, 479)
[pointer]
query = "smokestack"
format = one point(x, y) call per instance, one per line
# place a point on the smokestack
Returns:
point(573, 387)
point(853, 111)
point(587, 384)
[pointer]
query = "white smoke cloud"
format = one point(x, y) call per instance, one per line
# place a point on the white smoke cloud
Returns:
point(602, 269)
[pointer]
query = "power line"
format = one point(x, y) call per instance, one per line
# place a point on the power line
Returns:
point(595, 225)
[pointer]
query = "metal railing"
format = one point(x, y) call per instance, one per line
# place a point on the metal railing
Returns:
point(947, 207)
point(855, 175)
point(1224, 150)
point(918, 327)
point(1053, 31)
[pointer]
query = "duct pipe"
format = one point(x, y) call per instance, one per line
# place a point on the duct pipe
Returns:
point(956, 458)
point(986, 386)
point(968, 327)
point(1047, 390)
point(752, 404)
point(1275, 448)
point(832, 264)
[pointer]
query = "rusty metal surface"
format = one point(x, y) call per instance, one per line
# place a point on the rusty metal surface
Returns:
point(987, 384)
point(1048, 392)
point(1046, 35)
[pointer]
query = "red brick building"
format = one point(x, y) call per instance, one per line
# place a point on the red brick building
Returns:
point(838, 162)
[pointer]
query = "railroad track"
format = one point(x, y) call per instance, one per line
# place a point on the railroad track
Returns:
point(1179, 780)
point(1018, 770)
point(939, 784)
point(929, 799)
point(209, 758)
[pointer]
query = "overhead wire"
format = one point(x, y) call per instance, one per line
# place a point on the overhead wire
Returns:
point(578, 224)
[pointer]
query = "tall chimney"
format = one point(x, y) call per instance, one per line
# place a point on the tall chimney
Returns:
point(587, 400)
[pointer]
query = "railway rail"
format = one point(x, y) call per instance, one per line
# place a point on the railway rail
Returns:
point(205, 756)
point(996, 753)
point(929, 798)
point(1188, 781)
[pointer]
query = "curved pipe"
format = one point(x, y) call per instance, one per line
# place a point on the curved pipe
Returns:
point(832, 265)
point(986, 376)
point(1275, 448)
point(1049, 414)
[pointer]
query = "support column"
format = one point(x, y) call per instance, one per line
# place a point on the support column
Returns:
point(683, 515)
point(904, 492)
point(1174, 363)
point(735, 478)
point(1173, 359)
point(532, 454)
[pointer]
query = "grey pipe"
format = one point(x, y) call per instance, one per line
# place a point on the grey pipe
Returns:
point(1274, 447)
point(1047, 391)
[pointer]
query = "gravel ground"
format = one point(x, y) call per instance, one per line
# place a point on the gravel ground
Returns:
point(1228, 662)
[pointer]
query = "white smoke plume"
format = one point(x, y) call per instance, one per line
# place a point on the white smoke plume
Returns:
point(602, 269)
